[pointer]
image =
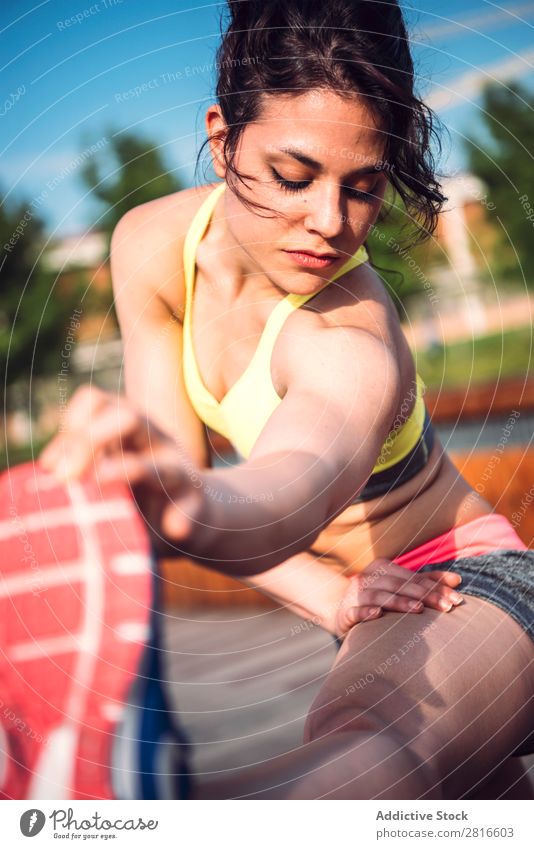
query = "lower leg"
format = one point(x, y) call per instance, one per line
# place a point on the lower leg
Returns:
point(509, 781)
point(458, 688)
point(358, 764)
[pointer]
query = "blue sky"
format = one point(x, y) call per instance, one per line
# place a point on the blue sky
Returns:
point(64, 81)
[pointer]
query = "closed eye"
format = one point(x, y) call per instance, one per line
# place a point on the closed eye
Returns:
point(290, 185)
point(295, 186)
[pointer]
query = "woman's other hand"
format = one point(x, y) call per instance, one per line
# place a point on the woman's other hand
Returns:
point(384, 585)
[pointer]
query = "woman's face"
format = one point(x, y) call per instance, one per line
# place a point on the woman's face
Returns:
point(317, 160)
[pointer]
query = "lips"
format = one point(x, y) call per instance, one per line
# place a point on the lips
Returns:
point(319, 254)
point(312, 260)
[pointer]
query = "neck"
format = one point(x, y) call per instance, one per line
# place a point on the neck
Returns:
point(244, 278)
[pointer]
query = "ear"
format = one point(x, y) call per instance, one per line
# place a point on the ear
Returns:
point(216, 129)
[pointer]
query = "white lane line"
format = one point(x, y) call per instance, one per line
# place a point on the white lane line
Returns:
point(112, 711)
point(53, 776)
point(130, 564)
point(43, 578)
point(133, 632)
point(128, 632)
point(40, 482)
point(103, 511)
point(4, 756)
point(46, 647)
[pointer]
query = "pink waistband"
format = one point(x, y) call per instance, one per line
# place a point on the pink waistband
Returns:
point(492, 532)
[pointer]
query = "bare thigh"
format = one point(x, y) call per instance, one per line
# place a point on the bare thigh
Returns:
point(457, 689)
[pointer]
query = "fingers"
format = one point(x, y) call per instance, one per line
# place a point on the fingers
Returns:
point(435, 588)
point(162, 490)
point(128, 468)
point(439, 584)
point(389, 600)
point(451, 579)
point(85, 403)
point(373, 603)
point(383, 566)
point(441, 598)
point(384, 585)
point(160, 470)
point(107, 428)
point(384, 591)
point(354, 615)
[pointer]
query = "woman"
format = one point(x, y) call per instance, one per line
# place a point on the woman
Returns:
point(249, 305)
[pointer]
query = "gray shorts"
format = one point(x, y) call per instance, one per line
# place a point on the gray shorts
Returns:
point(505, 578)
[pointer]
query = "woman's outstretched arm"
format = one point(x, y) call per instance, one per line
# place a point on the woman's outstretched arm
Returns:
point(312, 458)
point(109, 433)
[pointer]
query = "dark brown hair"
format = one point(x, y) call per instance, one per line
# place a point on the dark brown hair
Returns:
point(353, 47)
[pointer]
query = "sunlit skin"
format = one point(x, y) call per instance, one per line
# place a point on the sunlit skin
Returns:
point(347, 357)
point(339, 199)
point(333, 149)
point(331, 210)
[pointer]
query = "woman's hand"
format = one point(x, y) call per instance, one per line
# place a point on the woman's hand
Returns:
point(383, 585)
point(105, 433)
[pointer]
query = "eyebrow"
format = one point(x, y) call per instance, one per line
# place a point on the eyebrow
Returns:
point(313, 163)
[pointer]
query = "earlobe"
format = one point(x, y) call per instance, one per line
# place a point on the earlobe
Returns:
point(216, 130)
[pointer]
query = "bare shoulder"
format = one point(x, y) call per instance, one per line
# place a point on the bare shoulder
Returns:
point(147, 247)
point(359, 300)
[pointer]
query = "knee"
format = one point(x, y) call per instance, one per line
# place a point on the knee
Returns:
point(389, 747)
point(339, 708)
point(337, 717)
point(364, 765)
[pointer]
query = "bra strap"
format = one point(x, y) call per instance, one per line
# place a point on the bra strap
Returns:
point(291, 302)
point(283, 308)
point(194, 234)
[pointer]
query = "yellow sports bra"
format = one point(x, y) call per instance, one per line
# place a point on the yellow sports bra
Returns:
point(245, 409)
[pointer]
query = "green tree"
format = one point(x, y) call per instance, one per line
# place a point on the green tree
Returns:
point(33, 317)
point(501, 155)
point(129, 171)
point(406, 269)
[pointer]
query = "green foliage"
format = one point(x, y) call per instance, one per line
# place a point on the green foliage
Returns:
point(502, 157)
point(484, 358)
point(36, 310)
point(33, 320)
point(127, 172)
point(405, 268)
point(12, 455)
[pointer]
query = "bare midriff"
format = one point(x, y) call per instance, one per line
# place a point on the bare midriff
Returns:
point(436, 499)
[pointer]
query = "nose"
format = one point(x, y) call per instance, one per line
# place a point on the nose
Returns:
point(325, 214)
